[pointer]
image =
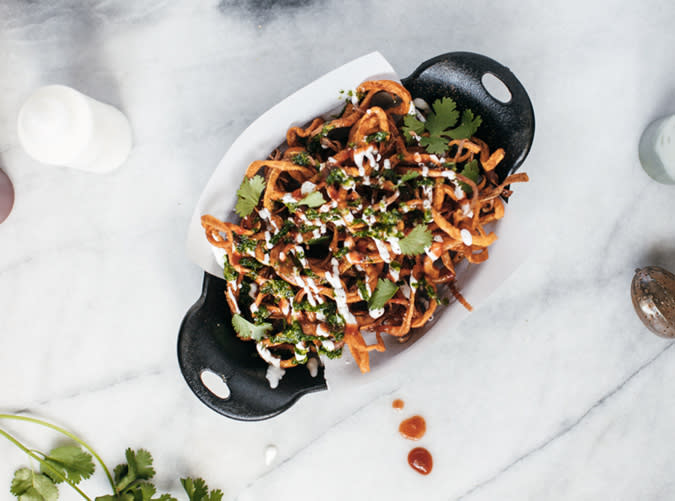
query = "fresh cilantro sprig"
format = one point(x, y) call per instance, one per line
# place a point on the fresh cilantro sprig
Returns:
point(72, 464)
point(441, 125)
point(247, 330)
point(197, 490)
point(248, 195)
point(416, 241)
point(383, 292)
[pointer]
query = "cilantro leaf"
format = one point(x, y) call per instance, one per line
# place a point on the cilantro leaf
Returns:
point(434, 144)
point(30, 486)
point(384, 291)
point(247, 330)
point(137, 467)
point(197, 490)
point(416, 241)
point(443, 116)
point(412, 124)
point(314, 199)
point(439, 123)
point(471, 171)
point(69, 461)
point(467, 128)
point(411, 174)
point(249, 194)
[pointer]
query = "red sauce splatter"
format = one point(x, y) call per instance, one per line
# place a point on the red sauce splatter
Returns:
point(413, 428)
point(398, 404)
point(420, 460)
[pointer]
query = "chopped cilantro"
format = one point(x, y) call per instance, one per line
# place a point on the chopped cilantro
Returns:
point(340, 253)
point(336, 176)
point(249, 194)
point(384, 291)
point(301, 159)
point(337, 353)
point(247, 330)
point(363, 290)
point(415, 242)
point(287, 226)
point(261, 315)
point(278, 289)
point(250, 263)
point(377, 137)
point(246, 244)
point(229, 273)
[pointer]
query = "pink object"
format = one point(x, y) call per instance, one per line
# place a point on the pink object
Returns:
point(6, 196)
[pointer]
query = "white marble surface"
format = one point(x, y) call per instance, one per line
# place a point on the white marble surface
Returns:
point(551, 390)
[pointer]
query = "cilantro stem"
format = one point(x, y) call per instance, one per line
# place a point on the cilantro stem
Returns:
point(69, 435)
point(41, 461)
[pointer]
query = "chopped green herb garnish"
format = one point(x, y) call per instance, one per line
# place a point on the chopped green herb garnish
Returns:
point(377, 137)
point(340, 253)
point(250, 263)
point(301, 159)
point(285, 228)
point(261, 315)
point(229, 273)
point(278, 288)
point(245, 244)
point(363, 290)
point(249, 194)
point(336, 176)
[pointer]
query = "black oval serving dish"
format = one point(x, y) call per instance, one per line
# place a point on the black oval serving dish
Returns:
point(206, 340)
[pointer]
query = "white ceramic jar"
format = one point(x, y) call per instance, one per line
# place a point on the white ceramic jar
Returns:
point(657, 150)
point(58, 125)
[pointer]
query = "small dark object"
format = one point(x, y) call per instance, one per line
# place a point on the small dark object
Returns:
point(6, 196)
point(653, 294)
point(206, 340)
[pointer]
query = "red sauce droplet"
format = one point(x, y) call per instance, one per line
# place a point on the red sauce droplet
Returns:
point(420, 460)
point(398, 404)
point(413, 428)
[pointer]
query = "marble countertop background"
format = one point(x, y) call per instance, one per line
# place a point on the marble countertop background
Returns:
point(552, 389)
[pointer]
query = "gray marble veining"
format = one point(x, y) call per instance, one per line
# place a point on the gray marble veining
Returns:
point(551, 390)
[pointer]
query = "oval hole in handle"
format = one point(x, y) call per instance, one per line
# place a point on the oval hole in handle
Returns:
point(496, 88)
point(215, 383)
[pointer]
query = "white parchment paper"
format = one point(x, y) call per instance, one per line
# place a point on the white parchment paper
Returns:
point(268, 132)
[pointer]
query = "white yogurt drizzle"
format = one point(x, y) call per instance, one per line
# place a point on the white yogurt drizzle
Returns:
point(274, 375)
point(467, 238)
point(376, 313)
point(367, 153)
point(313, 366)
point(382, 249)
point(307, 187)
point(230, 294)
point(339, 292)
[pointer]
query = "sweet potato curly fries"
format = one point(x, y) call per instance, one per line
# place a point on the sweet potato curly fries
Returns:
point(353, 228)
